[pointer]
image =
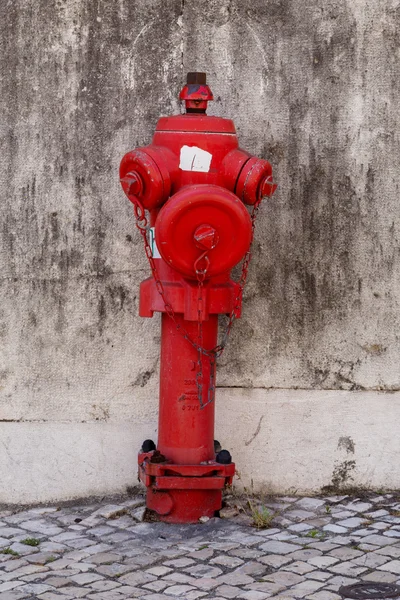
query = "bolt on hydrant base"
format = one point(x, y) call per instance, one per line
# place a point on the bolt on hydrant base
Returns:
point(194, 181)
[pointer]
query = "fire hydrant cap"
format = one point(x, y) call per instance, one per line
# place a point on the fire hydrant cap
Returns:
point(179, 220)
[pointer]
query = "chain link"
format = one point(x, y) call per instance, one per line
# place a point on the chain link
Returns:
point(216, 352)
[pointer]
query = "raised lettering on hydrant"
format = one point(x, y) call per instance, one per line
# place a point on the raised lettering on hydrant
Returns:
point(189, 188)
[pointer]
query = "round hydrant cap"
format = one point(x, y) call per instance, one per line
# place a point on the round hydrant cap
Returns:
point(203, 206)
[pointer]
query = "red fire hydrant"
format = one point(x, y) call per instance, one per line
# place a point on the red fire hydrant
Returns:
point(194, 181)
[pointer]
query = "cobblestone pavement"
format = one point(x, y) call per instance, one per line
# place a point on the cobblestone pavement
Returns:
point(105, 552)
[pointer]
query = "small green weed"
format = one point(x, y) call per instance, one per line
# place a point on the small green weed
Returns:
point(315, 534)
point(262, 517)
point(203, 547)
point(30, 541)
point(328, 509)
point(9, 551)
point(51, 559)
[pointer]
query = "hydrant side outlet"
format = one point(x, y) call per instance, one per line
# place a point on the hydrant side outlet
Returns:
point(189, 189)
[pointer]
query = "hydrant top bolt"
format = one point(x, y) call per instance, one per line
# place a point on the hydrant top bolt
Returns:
point(206, 237)
point(200, 78)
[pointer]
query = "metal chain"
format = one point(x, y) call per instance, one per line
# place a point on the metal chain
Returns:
point(216, 352)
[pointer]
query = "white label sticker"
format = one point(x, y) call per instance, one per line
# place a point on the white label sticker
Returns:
point(153, 245)
point(195, 159)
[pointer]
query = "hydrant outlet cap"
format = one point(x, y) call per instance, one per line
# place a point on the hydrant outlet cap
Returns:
point(203, 218)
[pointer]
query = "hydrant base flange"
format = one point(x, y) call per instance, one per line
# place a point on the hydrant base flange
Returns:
point(184, 493)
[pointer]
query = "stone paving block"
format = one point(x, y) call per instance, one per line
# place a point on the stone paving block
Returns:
point(179, 590)
point(342, 514)
point(393, 551)
point(346, 540)
point(365, 531)
point(227, 591)
point(305, 588)
point(338, 580)
point(41, 558)
point(203, 571)
point(227, 561)
point(276, 547)
point(74, 591)
point(58, 581)
point(284, 578)
point(275, 560)
point(9, 532)
point(392, 533)
point(179, 562)
point(347, 568)
point(34, 588)
point(41, 526)
point(84, 578)
point(206, 583)
point(309, 503)
point(153, 596)
point(179, 577)
point(299, 527)
point(368, 547)
point(157, 586)
point(115, 569)
point(376, 514)
point(246, 553)
point(283, 536)
point(13, 595)
point(332, 528)
point(144, 560)
point(371, 560)
point(267, 586)
point(323, 595)
point(104, 557)
point(304, 554)
point(50, 596)
point(253, 568)
point(22, 549)
point(267, 532)
point(103, 585)
point(9, 585)
point(195, 595)
point(119, 536)
point(393, 566)
point(136, 579)
point(204, 554)
point(352, 522)
point(378, 540)
point(253, 595)
point(323, 546)
point(53, 547)
point(13, 564)
point(359, 506)
point(159, 571)
point(299, 515)
point(98, 548)
point(299, 567)
point(322, 562)
point(235, 578)
point(345, 553)
point(380, 576)
point(318, 575)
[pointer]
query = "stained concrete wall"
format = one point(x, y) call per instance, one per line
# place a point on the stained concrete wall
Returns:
point(309, 386)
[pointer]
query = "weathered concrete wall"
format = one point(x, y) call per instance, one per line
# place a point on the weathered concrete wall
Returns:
point(313, 86)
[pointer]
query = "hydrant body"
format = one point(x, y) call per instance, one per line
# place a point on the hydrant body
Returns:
point(194, 181)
